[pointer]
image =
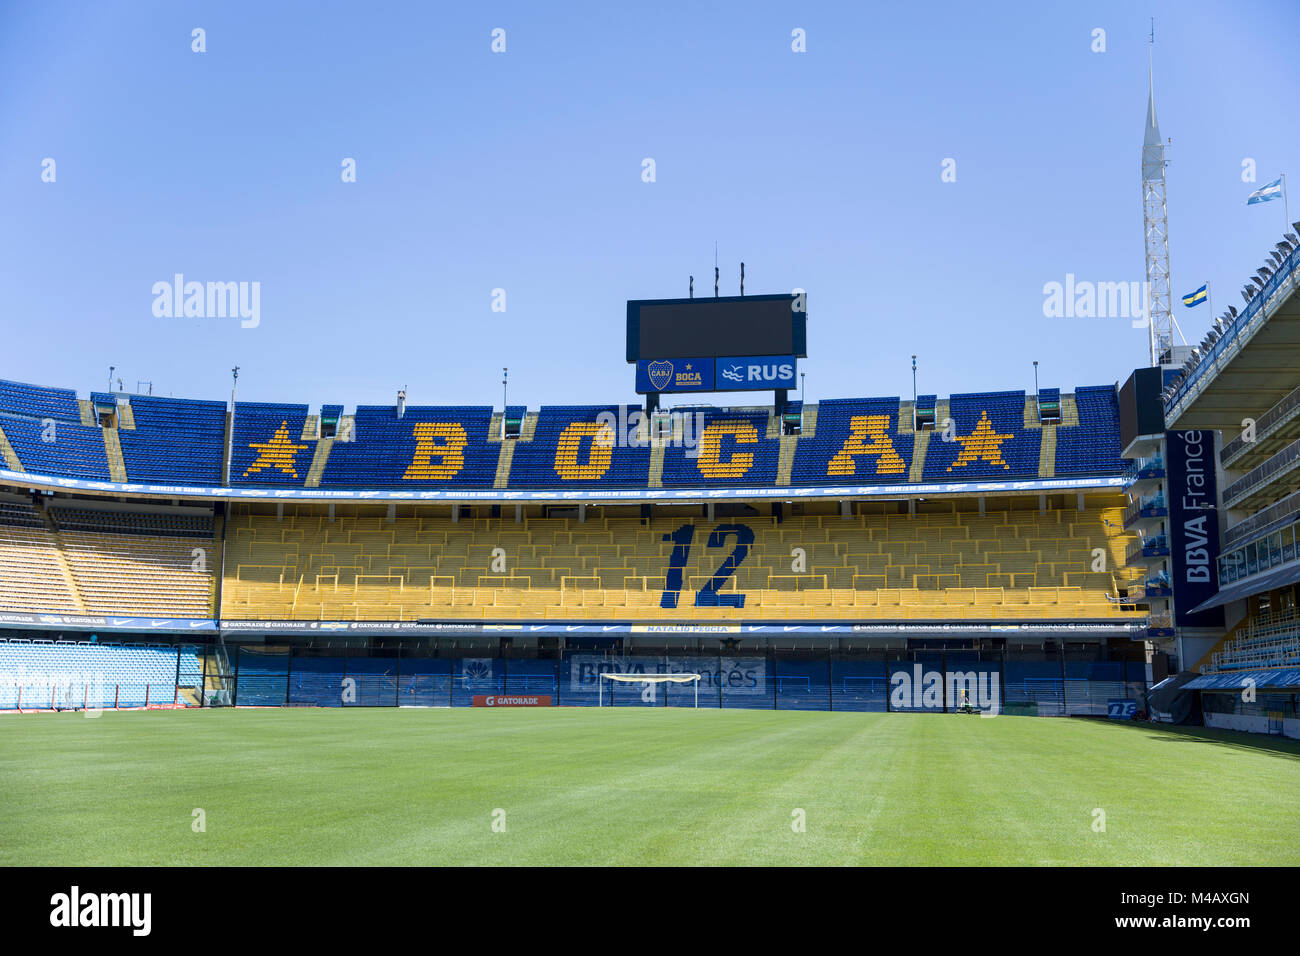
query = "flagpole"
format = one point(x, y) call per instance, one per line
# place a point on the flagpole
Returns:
point(1209, 298)
point(1286, 206)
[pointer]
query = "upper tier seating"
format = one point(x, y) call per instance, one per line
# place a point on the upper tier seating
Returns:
point(57, 447)
point(38, 401)
point(268, 447)
point(991, 440)
point(856, 441)
point(731, 447)
point(174, 439)
point(570, 446)
point(994, 436)
point(428, 446)
point(1091, 447)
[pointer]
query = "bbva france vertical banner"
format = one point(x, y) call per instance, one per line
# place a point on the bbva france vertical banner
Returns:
point(1193, 525)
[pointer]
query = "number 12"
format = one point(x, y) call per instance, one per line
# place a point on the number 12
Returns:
point(708, 595)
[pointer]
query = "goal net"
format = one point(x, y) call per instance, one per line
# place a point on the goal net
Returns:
point(650, 682)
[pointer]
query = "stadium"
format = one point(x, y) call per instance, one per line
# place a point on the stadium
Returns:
point(1047, 626)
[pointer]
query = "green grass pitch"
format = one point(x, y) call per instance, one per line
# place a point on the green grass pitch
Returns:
point(636, 787)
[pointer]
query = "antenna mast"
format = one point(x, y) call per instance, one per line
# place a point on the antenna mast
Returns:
point(1155, 221)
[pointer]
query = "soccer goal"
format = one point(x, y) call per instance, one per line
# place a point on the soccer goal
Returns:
point(650, 681)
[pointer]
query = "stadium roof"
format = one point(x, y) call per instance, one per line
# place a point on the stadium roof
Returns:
point(1274, 677)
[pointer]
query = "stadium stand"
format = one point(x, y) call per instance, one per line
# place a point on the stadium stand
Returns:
point(732, 446)
point(427, 446)
point(991, 440)
point(268, 447)
point(33, 575)
point(42, 675)
point(1092, 446)
point(946, 565)
point(568, 446)
point(174, 439)
point(38, 401)
point(857, 439)
point(43, 426)
point(108, 562)
point(862, 440)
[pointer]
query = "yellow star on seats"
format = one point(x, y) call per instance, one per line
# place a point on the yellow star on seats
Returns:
point(983, 444)
point(279, 453)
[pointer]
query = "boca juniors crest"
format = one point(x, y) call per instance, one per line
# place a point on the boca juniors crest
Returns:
point(660, 373)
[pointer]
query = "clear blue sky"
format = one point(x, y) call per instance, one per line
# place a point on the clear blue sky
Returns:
point(522, 171)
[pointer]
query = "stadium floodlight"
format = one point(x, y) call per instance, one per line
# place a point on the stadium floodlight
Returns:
point(1232, 311)
point(1277, 257)
point(650, 680)
point(1292, 238)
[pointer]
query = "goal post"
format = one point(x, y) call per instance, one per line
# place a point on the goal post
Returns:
point(649, 680)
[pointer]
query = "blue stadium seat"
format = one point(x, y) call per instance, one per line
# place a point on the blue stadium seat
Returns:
point(174, 439)
point(430, 446)
point(1091, 447)
point(38, 401)
point(545, 461)
point(57, 447)
point(268, 447)
point(856, 441)
point(991, 440)
point(732, 449)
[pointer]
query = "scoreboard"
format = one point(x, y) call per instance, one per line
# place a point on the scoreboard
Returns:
point(726, 343)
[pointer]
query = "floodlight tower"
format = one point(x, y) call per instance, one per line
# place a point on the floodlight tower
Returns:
point(1155, 217)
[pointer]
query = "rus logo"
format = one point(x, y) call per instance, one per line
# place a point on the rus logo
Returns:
point(660, 374)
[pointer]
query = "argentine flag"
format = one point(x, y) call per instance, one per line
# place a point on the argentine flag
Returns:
point(1197, 297)
point(1272, 191)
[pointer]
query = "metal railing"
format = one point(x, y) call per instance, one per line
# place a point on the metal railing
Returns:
point(1279, 414)
point(1228, 341)
point(1139, 465)
point(1152, 503)
point(1276, 466)
point(1270, 519)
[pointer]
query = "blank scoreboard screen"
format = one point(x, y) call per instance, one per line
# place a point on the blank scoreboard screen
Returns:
point(752, 325)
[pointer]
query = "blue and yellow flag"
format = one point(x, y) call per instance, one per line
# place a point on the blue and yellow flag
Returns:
point(1197, 297)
